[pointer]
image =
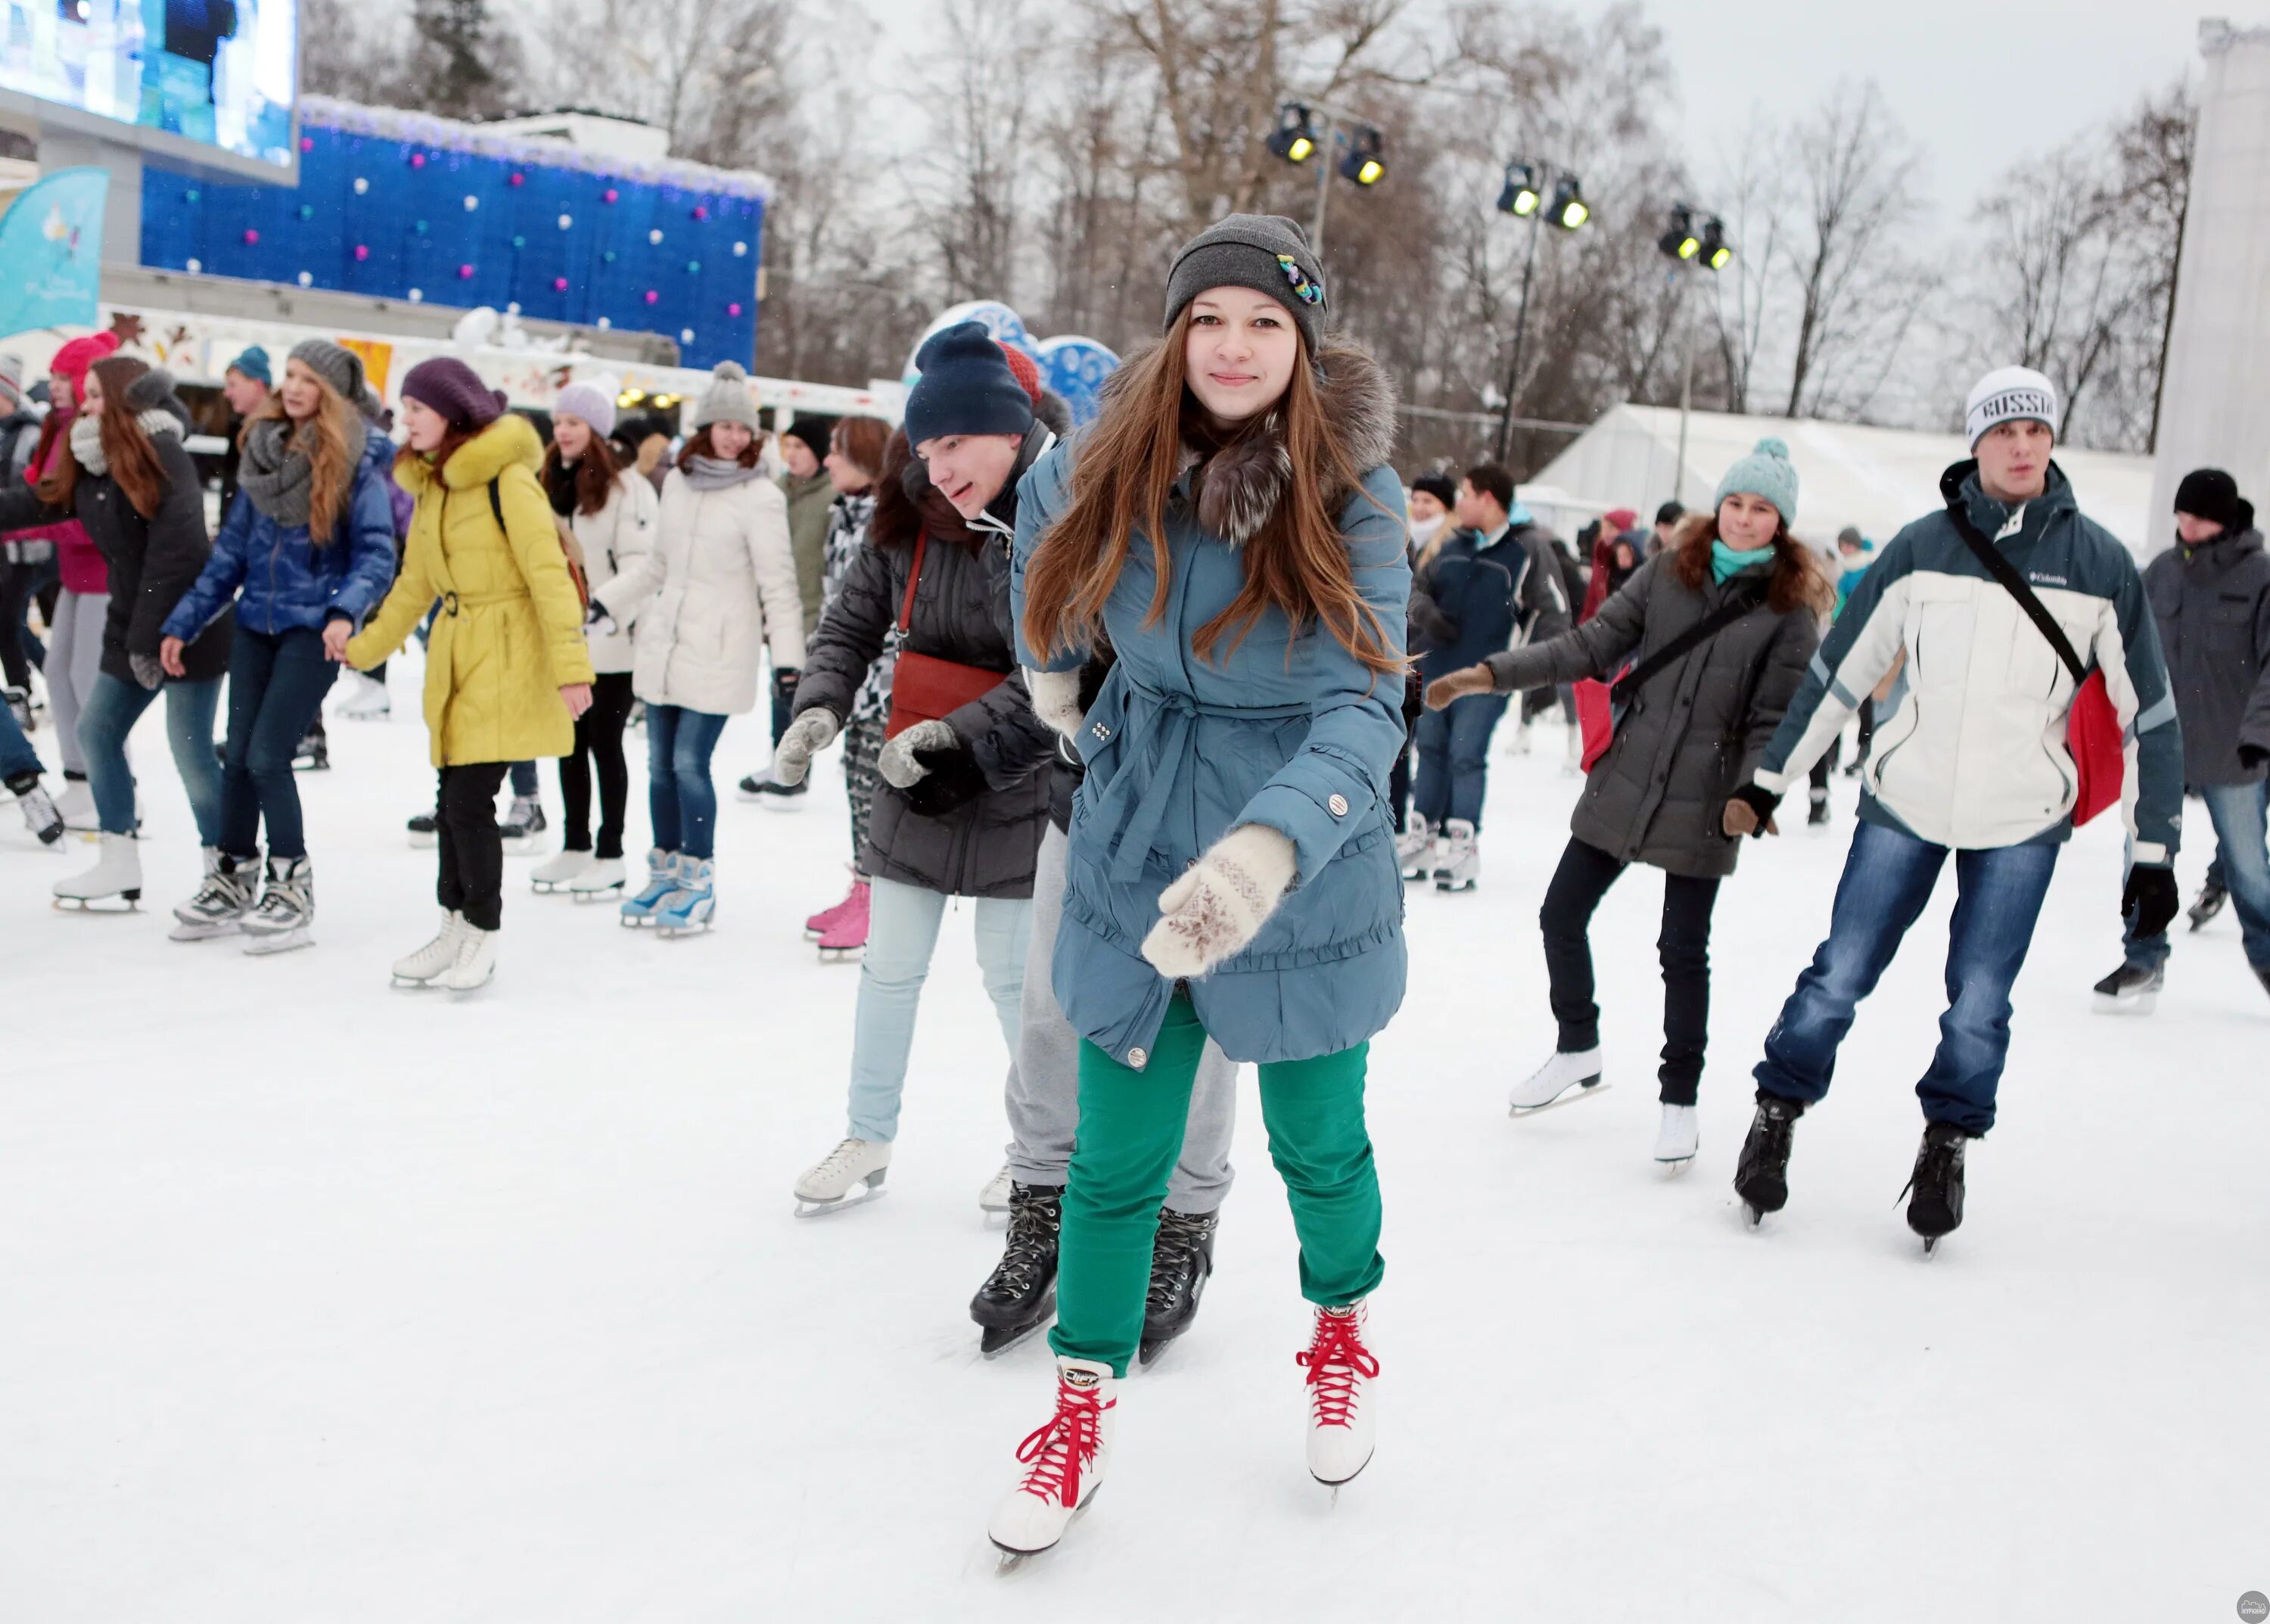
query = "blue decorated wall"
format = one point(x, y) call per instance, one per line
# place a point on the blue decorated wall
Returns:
point(454, 225)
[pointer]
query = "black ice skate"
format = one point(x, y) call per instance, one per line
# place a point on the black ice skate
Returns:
point(2212, 896)
point(1182, 1262)
point(2131, 989)
point(314, 754)
point(1936, 1207)
point(1762, 1175)
point(1020, 1296)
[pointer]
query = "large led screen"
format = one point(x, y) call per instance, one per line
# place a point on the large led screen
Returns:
point(218, 72)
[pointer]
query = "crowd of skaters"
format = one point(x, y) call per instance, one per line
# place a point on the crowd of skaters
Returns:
point(1181, 701)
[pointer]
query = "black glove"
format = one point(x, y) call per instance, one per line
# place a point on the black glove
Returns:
point(784, 683)
point(598, 620)
point(2150, 901)
point(1760, 801)
point(2254, 757)
point(952, 779)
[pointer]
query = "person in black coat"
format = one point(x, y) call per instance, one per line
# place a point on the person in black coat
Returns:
point(129, 481)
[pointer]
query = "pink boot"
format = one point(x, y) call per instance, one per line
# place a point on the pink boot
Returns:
point(821, 923)
point(846, 938)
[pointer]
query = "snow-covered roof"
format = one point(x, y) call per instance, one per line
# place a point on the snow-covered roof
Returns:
point(1876, 478)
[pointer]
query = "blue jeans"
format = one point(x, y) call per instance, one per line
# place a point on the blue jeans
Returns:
point(109, 715)
point(275, 688)
point(902, 924)
point(681, 800)
point(17, 756)
point(2241, 816)
point(1454, 758)
point(523, 781)
point(1887, 878)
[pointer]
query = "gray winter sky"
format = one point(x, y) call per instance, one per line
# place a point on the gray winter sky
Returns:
point(1979, 82)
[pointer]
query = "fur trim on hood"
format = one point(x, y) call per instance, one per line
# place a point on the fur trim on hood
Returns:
point(1238, 487)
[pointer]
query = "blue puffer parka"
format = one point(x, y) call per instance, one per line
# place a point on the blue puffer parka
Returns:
point(286, 582)
point(1289, 730)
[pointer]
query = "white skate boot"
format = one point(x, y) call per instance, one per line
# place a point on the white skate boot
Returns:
point(422, 968)
point(1459, 859)
point(849, 1175)
point(222, 902)
point(475, 961)
point(1064, 1461)
point(599, 877)
point(558, 871)
point(995, 1197)
point(1676, 1140)
point(1545, 1085)
point(1343, 1405)
point(287, 911)
point(116, 875)
point(1414, 848)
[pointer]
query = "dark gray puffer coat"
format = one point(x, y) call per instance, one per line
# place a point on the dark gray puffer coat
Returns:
point(987, 847)
point(1695, 732)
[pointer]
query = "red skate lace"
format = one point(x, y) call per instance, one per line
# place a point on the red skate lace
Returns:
point(1062, 1447)
point(1334, 1360)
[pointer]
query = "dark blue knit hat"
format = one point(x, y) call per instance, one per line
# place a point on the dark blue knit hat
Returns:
point(965, 388)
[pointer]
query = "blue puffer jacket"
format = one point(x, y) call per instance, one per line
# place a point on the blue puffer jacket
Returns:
point(1487, 598)
point(1287, 730)
point(286, 581)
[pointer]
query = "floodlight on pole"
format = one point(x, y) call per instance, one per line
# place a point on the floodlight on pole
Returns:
point(1294, 138)
point(1522, 191)
point(1366, 161)
point(1569, 210)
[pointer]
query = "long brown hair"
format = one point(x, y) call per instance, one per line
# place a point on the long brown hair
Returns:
point(1124, 476)
point(324, 438)
point(701, 445)
point(125, 445)
point(863, 440)
point(595, 473)
point(1798, 580)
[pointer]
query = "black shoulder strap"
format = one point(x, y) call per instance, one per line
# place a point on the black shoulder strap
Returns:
point(1708, 627)
point(496, 503)
point(2006, 573)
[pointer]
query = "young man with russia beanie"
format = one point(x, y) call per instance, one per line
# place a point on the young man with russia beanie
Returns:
point(2210, 593)
point(1981, 773)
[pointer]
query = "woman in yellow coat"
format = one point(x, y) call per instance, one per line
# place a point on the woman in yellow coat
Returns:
point(507, 670)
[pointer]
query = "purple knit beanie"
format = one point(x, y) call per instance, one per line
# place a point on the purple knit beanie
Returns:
point(455, 391)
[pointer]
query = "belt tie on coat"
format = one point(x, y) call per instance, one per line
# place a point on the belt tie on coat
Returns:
point(1131, 814)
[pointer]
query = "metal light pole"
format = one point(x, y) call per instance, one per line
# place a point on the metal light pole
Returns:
point(1520, 331)
point(1327, 144)
point(1686, 386)
point(1687, 245)
point(1569, 211)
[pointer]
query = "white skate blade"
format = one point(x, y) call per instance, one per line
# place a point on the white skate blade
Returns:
point(1673, 1166)
point(119, 902)
point(424, 842)
point(1567, 1096)
point(671, 933)
point(2142, 1004)
point(841, 955)
point(188, 932)
point(262, 943)
point(412, 983)
point(859, 1197)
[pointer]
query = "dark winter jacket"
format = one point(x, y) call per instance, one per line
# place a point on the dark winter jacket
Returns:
point(985, 847)
point(2213, 605)
point(1482, 596)
point(1973, 754)
point(1695, 732)
point(280, 580)
point(152, 562)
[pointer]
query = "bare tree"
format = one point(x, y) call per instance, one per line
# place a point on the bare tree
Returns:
point(981, 155)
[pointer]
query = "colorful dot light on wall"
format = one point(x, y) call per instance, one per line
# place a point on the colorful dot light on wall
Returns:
point(652, 297)
point(251, 238)
point(465, 273)
point(417, 160)
point(734, 309)
point(559, 284)
point(610, 196)
point(362, 250)
point(519, 179)
point(701, 211)
point(362, 185)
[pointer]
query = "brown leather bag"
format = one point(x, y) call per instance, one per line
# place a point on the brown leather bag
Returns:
point(924, 687)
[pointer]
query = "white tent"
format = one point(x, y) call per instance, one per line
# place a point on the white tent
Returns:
point(1876, 478)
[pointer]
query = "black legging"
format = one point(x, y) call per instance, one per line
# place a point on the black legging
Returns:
point(471, 880)
point(599, 737)
point(1583, 878)
point(19, 650)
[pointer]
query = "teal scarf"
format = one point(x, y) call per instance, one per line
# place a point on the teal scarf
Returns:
point(1726, 562)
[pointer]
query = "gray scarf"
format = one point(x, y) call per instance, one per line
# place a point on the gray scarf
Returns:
point(86, 437)
point(715, 473)
point(276, 472)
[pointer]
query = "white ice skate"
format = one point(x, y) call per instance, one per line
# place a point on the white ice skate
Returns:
point(422, 968)
point(1414, 848)
point(1545, 1087)
point(1343, 1397)
point(693, 907)
point(1458, 858)
point(476, 961)
point(849, 1175)
point(366, 699)
point(76, 805)
point(995, 1197)
point(558, 871)
point(1676, 1140)
point(602, 877)
point(222, 902)
point(1065, 1461)
point(286, 913)
point(116, 877)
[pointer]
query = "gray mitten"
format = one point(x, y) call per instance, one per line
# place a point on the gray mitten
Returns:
point(897, 763)
point(811, 731)
point(147, 671)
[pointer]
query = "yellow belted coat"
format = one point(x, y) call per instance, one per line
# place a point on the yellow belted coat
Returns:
point(510, 632)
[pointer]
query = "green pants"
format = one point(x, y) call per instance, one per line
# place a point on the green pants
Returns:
point(1131, 1132)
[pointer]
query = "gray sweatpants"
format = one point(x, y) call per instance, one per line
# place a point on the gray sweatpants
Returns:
point(74, 660)
point(1043, 1092)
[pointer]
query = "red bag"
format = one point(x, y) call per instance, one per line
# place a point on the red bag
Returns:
point(924, 687)
point(1595, 719)
point(2099, 754)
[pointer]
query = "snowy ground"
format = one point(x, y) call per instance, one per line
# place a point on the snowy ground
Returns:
point(327, 1302)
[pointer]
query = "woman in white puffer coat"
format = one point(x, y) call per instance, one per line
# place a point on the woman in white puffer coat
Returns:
point(607, 512)
point(718, 586)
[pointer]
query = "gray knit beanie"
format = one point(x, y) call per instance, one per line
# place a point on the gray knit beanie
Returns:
point(727, 400)
point(335, 364)
point(1266, 253)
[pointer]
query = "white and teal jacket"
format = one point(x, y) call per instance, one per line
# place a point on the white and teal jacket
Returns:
point(1973, 753)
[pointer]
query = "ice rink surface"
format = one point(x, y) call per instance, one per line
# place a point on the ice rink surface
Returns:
point(326, 1303)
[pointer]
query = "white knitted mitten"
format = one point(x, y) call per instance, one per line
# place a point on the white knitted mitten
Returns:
point(1056, 699)
point(897, 763)
point(1213, 910)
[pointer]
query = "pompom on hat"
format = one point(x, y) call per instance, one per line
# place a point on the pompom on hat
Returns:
point(1766, 471)
point(727, 400)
